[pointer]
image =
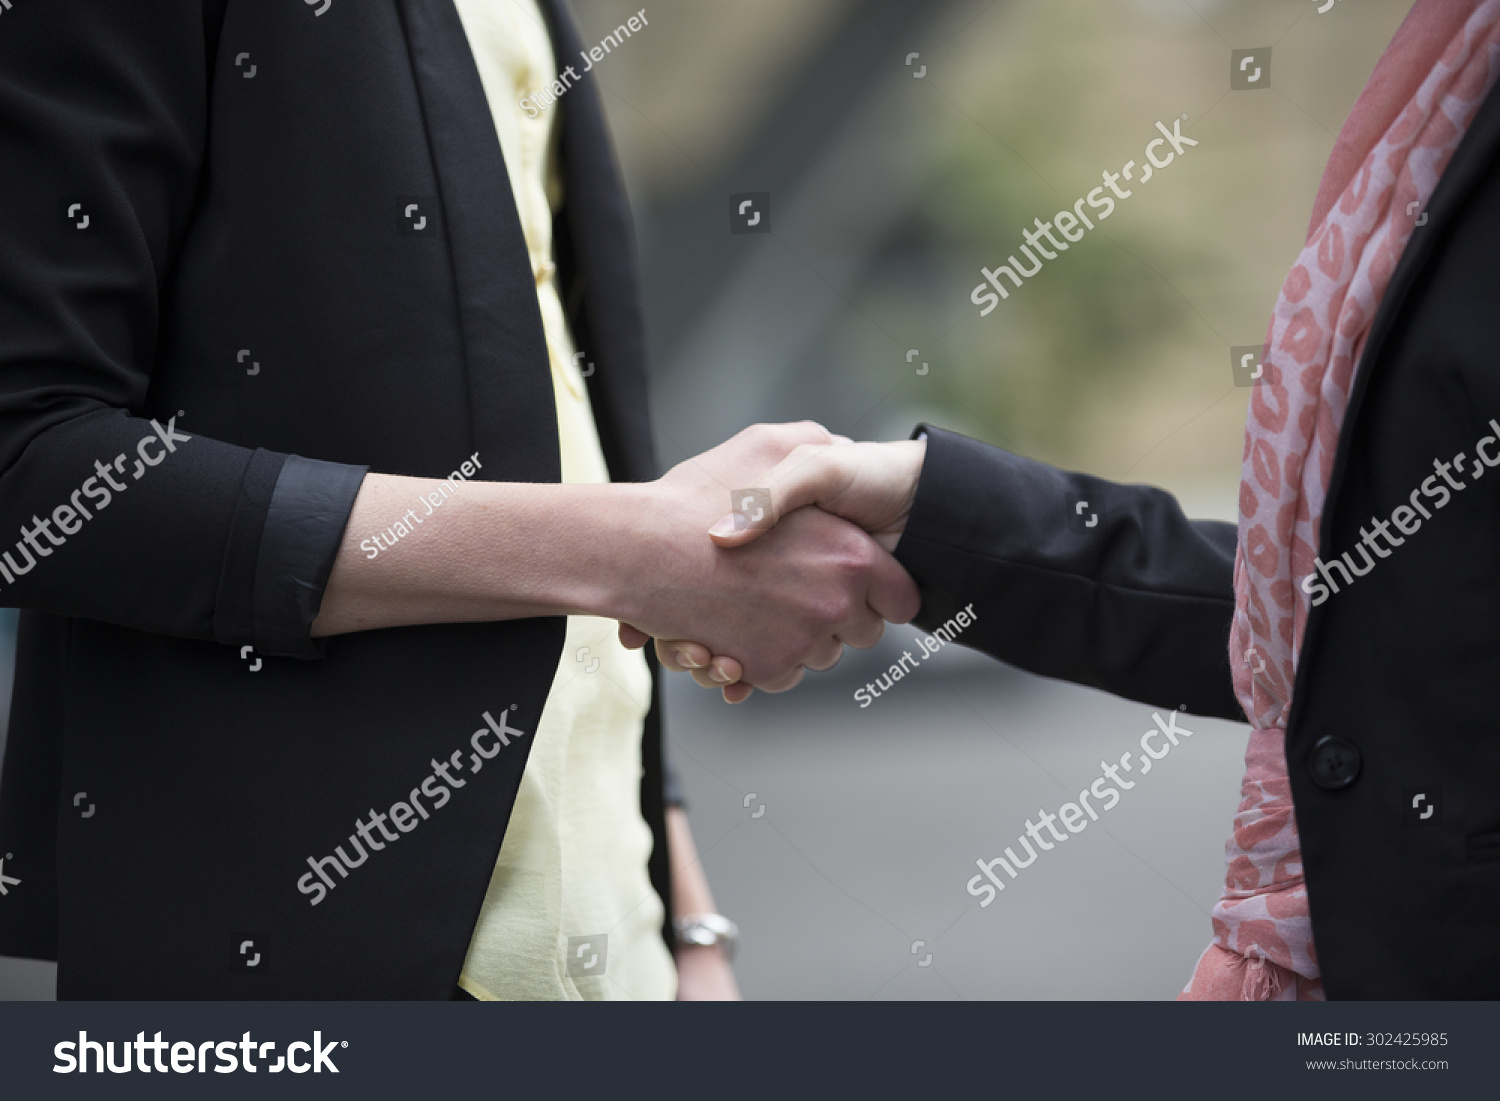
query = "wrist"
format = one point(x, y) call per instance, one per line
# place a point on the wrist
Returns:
point(706, 931)
point(545, 549)
point(618, 528)
point(913, 454)
point(714, 952)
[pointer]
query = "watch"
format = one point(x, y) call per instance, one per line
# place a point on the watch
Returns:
point(707, 930)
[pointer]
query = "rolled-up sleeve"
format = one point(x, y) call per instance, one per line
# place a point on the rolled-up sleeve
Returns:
point(288, 525)
point(112, 507)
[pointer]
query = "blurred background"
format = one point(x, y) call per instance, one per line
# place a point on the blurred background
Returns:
point(904, 146)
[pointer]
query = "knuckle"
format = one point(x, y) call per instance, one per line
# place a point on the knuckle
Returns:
point(806, 455)
point(828, 657)
point(801, 433)
point(829, 609)
point(784, 437)
point(856, 554)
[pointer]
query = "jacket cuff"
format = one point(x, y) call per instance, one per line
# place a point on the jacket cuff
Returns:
point(304, 528)
point(943, 503)
point(285, 534)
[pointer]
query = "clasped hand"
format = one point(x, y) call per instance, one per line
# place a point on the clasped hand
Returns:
point(785, 593)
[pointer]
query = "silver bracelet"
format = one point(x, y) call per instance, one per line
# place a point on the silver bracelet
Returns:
point(707, 930)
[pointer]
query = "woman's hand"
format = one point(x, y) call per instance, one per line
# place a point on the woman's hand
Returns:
point(871, 485)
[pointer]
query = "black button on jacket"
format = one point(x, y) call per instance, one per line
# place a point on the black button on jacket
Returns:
point(1402, 666)
point(253, 249)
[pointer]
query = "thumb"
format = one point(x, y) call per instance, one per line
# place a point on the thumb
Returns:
point(799, 479)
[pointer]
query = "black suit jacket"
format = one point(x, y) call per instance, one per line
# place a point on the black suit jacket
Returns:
point(1403, 665)
point(286, 232)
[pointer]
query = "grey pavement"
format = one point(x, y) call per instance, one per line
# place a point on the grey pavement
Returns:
point(874, 820)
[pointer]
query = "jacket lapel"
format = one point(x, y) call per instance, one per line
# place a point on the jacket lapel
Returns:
point(513, 417)
point(1470, 162)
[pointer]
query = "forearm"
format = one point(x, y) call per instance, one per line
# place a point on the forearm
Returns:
point(690, 890)
point(1074, 577)
point(703, 971)
point(638, 553)
point(482, 551)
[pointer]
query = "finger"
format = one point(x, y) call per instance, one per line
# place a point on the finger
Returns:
point(892, 594)
point(738, 693)
point(725, 670)
point(864, 624)
point(789, 435)
point(681, 656)
point(770, 443)
point(784, 683)
point(863, 628)
point(633, 638)
point(825, 655)
point(808, 473)
point(863, 631)
point(718, 673)
point(805, 432)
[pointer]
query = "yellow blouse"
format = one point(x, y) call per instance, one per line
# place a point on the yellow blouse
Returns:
point(570, 912)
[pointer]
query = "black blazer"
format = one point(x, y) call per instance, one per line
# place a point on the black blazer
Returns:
point(277, 229)
point(1398, 687)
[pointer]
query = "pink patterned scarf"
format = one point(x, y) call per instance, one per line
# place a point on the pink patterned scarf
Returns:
point(1390, 154)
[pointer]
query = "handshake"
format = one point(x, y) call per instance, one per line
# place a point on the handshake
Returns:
point(752, 601)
